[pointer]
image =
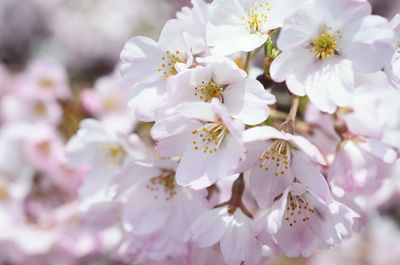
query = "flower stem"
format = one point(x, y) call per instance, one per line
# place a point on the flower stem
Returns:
point(289, 124)
point(235, 201)
point(247, 63)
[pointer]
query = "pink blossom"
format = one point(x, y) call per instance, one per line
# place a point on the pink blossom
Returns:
point(361, 165)
point(300, 222)
point(276, 159)
point(234, 232)
point(207, 139)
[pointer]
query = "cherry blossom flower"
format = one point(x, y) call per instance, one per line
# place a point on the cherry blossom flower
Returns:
point(163, 205)
point(361, 165)
point(148, 65)
point(207, 139)
point(44, 78)
point(276, 158)
point(107, 102)
point(241, 25)
point(324, 43)
point(300, 222)
point(234, 232)
point(244, 98)
point(375, 91)
point(104, 151)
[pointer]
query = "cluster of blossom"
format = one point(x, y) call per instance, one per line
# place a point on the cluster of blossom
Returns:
point(40, 218)
point(229, 168)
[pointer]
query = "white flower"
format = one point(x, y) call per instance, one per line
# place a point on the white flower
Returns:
point(154, 203)
point(276, 159)
point(243, 25)
point(300, 222)
point(234, 232)
point(244, 98)
point(207, 139)
point(148, 65)
point(105, 152)
point(323, 44)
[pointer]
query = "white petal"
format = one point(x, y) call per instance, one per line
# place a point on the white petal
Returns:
point(248, 101)
point(371, 47)
point(239, 243)
point(141, 58)
point(331, 84)
point(209, 228)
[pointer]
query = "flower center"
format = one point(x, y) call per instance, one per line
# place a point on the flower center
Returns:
point(116, 153)
point(47, 83)
point(164, 183)
point(3, 193)
point(39, 108)
point(210, 137)
point(298, 210)
point(167, 67)
point(256, 16)
point(276, 158)
point(207, 92)
point(324, 46)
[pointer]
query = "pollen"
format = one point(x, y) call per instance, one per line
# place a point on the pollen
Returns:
point(210, 137)
point(168, 62)
point(163, 186)
point(116, 154)
point(207, 91)
point(47, 83)
point(298, 210)
point(324, 46)
point(276, 158)
point(256, 16)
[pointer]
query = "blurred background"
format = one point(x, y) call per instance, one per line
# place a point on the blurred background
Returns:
point(71, 48)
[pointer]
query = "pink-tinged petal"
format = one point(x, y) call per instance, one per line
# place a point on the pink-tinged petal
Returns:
point(380, 150)
point(297, 241)
point(97, 180)
point(262, 133)
point(209, 228)
point(131, 175)
point(187, 206)
point(144, 212)
point(307, 147)
point(331, 84)
point(293, 66)
point(344, 12)
point(358, 172)
point(300, 28)
point(174, 135)
point(253, 152)
point(310, 176)
point(371, 47)
point(224, 70)
point(248, 101)
point(239, 243)
point(182, 87)
point(275, 215)
point(195, 164)
point(171, 36)
point(141, 58)
point(197, 110)
point(146, 99)
point(265, 186)
point(227, 12)
point(235, 127)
